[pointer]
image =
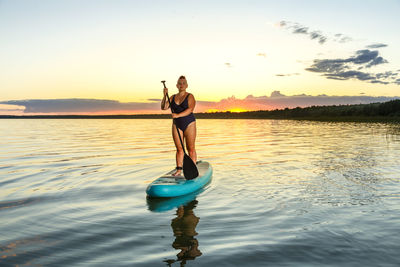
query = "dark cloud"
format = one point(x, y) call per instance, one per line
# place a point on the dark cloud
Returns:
point(377, 61)
point(377, 45)
point(362, 76)
point(288, 74)
point(300, 29)
point(386, 75)
point(297, 28)
point(350, 68)
point(364, 56)
point(79, 105)
point(380, 82)
point(318, 35)
point(341, 38)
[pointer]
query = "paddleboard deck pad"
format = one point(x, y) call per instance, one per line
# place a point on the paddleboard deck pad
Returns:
point(173, 186)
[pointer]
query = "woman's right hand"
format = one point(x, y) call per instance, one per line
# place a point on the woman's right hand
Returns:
point(165, 91)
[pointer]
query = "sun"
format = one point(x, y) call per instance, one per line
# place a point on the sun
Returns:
point(237, 110)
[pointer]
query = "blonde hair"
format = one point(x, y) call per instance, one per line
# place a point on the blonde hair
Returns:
point(182, 78)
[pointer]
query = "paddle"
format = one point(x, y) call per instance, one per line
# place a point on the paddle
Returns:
point(189, 167)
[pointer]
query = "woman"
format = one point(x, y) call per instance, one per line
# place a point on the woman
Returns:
point(182, 106)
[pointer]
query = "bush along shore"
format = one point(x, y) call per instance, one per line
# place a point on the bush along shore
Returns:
point(374, 112)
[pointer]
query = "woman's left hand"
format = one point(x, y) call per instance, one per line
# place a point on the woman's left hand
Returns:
point(175, 115)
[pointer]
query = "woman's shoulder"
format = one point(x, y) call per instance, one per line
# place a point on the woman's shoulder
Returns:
point(191, 97)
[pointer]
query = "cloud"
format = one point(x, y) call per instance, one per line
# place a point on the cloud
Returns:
point(350, 68)
point(80, 106)
point(279, 100)
point(377, 45)
point(341, 38)
point(317, 35)
point(87, 106)
point(95, 106)
point(387, 75)
point(286, 75)
point(277, 94)
point(362, 76)
point(300, 29)
point(282, 23)
point(10, 109)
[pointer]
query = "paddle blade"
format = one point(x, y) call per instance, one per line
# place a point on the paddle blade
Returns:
point(189, 168)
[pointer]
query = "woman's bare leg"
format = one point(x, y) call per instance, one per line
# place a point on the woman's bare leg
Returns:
point(179, 150)
point(190, 136)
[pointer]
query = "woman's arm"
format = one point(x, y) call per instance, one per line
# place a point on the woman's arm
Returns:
point(192, 104)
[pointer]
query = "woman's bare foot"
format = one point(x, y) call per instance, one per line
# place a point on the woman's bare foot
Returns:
point(178, 171)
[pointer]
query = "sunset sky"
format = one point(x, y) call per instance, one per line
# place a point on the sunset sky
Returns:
point(109, 57)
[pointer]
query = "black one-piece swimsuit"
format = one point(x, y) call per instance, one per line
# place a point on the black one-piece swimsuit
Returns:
point(182, 122)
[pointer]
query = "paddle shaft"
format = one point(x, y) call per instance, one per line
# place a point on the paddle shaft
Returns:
point(169, 102)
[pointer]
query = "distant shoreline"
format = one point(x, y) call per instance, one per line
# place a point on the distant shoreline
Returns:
point(375, 112)
point(224, 117)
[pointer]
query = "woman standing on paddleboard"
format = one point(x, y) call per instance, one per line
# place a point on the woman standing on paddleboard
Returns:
point(182, 106)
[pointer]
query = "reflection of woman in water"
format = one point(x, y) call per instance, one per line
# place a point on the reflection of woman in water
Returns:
point(184, 231)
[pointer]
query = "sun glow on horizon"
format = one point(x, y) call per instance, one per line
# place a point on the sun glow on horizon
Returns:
point(237, 110)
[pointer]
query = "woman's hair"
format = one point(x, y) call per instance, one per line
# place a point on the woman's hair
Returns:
point(182, 77)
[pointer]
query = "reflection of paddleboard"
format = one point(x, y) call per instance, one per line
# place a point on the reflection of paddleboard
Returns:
point(165, 204)
point(173, 186)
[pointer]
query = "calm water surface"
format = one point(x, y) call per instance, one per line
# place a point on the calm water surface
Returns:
point(284, 193)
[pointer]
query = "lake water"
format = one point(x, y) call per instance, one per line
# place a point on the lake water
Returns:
point(284, 193)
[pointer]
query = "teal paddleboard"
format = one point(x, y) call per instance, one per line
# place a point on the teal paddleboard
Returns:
point(173, 186)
